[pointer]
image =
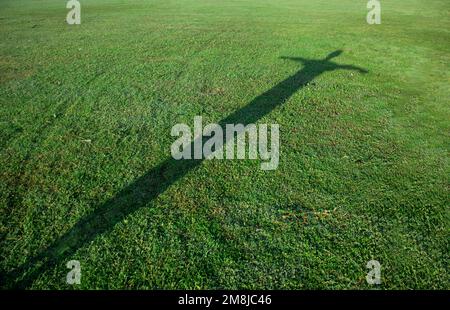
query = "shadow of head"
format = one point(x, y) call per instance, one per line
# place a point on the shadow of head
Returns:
point(334, 54)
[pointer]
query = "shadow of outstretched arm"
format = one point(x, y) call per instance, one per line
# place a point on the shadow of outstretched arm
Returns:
point(353, 68)
point(297, 59)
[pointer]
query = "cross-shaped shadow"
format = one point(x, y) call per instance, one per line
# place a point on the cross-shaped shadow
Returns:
point(146, 188)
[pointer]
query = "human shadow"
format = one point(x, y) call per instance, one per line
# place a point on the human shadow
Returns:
point(149, 186)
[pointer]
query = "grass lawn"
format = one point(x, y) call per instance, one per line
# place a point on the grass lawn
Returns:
point(86, 173)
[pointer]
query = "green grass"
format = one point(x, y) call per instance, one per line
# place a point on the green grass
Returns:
point(364, 160)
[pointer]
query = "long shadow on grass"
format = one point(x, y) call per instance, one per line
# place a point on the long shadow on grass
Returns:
point(146, 188)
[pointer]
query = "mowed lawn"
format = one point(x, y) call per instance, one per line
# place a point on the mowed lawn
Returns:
point(86, 171)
